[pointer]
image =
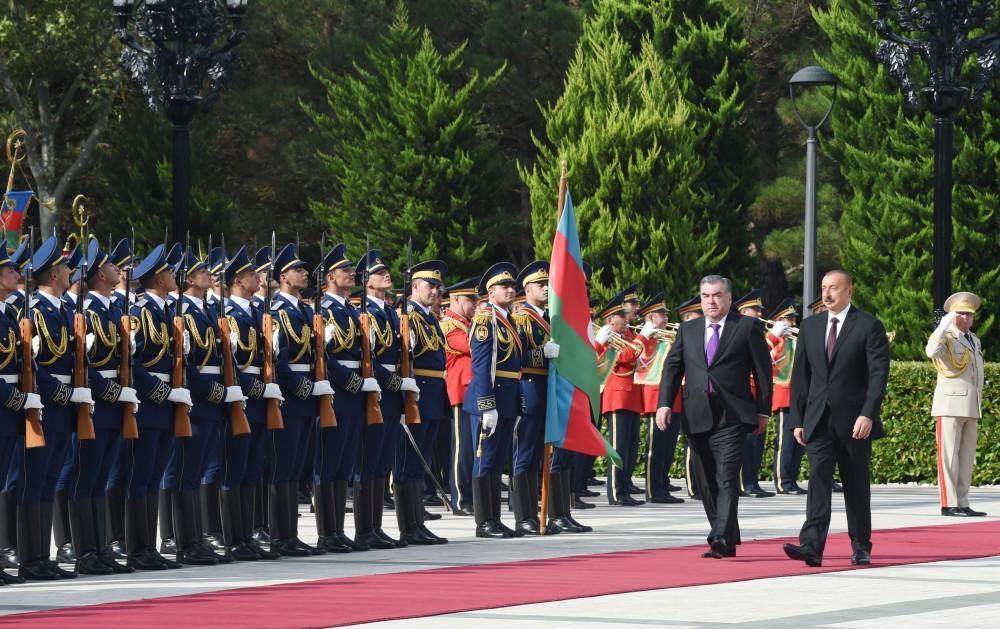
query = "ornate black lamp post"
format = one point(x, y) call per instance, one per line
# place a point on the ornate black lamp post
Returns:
point(939, 33)
point(170, 55)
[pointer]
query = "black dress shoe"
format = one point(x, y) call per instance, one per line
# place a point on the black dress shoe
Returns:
point(215, 540)
point(955, 512)
point(333, 544)
point(506, 529)
point(312, 550)
point(117, 548)
point(803, 554)
point(373, 541)
point(243, 552)
point(792, 491)
point(711, 554)
point(490, 530)
point(36, 571)
point(564, 525)
point(263, 553)
point(8, 558)
point(721, 548)
point(432, 501)
point(431, 535)
point(635, 491)
point(197, 555)
point(262, 536)
point(583, 527)
point(9, 579)
point(593, 482)
point(352, 544)
point(974, 514)
point(673, 488)
point(110, 562)
point(385, 537)
point(758, 492)
point(666, 500)
point(169, 563)
point(629, 501)
point(221, 557)
point(528, 527)
point(145, 561)
point(461, 512)
point(586, 493)
point(431, 516)
point(861, 557)
point(576, 503)
point(744, 493)
point(287, 548)
point(90, 563)
point(417, 537)
point(54, 567)
point(168, 546)
point(66, 554)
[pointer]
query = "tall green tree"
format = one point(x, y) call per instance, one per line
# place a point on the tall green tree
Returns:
point(885, 154)
point(408, 154)
point(629, 136)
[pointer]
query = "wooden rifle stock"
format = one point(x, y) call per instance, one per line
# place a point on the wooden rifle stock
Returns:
point(239, 425)
point(33, 435)
point(373, 412)
point(272, 406)
point(410, 408)
point(327, 418)
point(182, 415)
point(130, 427)
point(84, 419)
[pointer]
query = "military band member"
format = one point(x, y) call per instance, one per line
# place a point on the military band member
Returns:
point(690, 309)
point(339, 448)
point(660, 445)
point(11, 421)
point(621, 400)
point(493, 399)
point(243, 454)
point(751, 305)
point(294, 365)
point(817, 306)
point(380, 441)
point(458, 359)
point(631, 309)
point(787, 451)
point(957, 355)
point(145, 458)
point(428, 356)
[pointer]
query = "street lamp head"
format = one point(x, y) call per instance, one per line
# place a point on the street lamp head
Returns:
point(808, 78)
point(237, 9)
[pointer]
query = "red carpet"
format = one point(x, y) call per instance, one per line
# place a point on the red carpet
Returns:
point(352, 600)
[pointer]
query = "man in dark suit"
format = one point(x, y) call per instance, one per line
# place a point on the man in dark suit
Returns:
point(838, 383)
point(715, 356)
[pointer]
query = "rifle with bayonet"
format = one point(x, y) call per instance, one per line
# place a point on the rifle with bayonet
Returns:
point(272, 406)
point(130, 427)
point(182, 414)
point(239, 425)
point(410, 408)
point(373, 412)
point(33, 435)
point(327, 418)
point(84, 416)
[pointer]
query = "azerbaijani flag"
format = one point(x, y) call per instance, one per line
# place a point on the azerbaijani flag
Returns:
point(12, 213)
point(574, 393)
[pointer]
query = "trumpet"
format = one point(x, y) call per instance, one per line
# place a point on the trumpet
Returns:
point(769, 325)
point(620, 343)
point(668, 334)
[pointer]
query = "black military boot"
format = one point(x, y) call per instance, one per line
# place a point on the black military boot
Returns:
point(496, 485)
point(209, 501)
point(567, 483)
point(482, 503)
point(248, 495)
point(190, 549)
point(379, 489)
point(29, 543)
point(61, 529)
point(168, 545)
point(82, 527)
point(292, 511)
point(340, 514)
point(363, 534)
point(326, 519)
point(406, 518)
point(520, 491)
point(232, 526)
point(100, 531)
point(418, 513)
point(47, 512)
point(114, 523)
point(8, 530)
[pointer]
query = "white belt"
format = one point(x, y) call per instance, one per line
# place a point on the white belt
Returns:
point(210, 370)
point(165, 377)
point(252, 370)
point(300, 367)
point(391, 368)
point(10, 378)
point(108, 373)
point(350, 364)
point(63, 379)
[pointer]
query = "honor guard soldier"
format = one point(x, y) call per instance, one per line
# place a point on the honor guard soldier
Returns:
point(262, 260)
point(262, 302)
point(338, 448)
point(621, 401)
point(817, 306)
point(27, 518)
point(243, 454)
point(957, 355)
point(93, 458)
point(145, 458)
point(532, 324)
point(458, 358)
point(42, 466)
point(294, 365)
point(660, 445)
point(750, 305)
point(493, 399)
point(787, 451)
point(690, 309)
point(428, 356)
point(379, 441)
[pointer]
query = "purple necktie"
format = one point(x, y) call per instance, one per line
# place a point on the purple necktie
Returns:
point(710, 349)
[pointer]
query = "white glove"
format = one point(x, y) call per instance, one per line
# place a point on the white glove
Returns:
point(36, 342)
point(82, 395)
point(648, 330)
point(234, 394)
point(942, 327)
point(370, 385)
point(550, 350)
point(180, 396)
point(132, 342)
point(234, 339)
point(187, 343)
point(128, 394)
point(89, 341)
point(33, 400)
point(780, 329)
point(490, 419)
point(273, 392)
point(409, 384)
point(274, 340)
point(604, 334)
point(322, 387)
point(328, 332)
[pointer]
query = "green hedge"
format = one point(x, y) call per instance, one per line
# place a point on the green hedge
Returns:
point(908, 453)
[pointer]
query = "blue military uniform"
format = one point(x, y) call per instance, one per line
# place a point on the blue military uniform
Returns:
point(495, 389)
point(262, 262)
point(294, 370)
point(428, 369)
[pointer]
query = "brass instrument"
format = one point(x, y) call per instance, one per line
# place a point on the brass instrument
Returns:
point(15, 155)
point(769, 325)
point(620, 343)
point(668, 334)
point(81, 217)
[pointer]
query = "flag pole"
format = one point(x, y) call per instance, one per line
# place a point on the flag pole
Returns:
point(543, 517)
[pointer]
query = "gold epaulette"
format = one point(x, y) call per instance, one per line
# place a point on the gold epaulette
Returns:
point(482, 318)
point(519, 318)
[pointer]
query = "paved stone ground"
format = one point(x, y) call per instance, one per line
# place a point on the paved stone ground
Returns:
point(966, 593)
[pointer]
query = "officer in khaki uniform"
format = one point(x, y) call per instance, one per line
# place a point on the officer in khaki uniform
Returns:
point(958, 357)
